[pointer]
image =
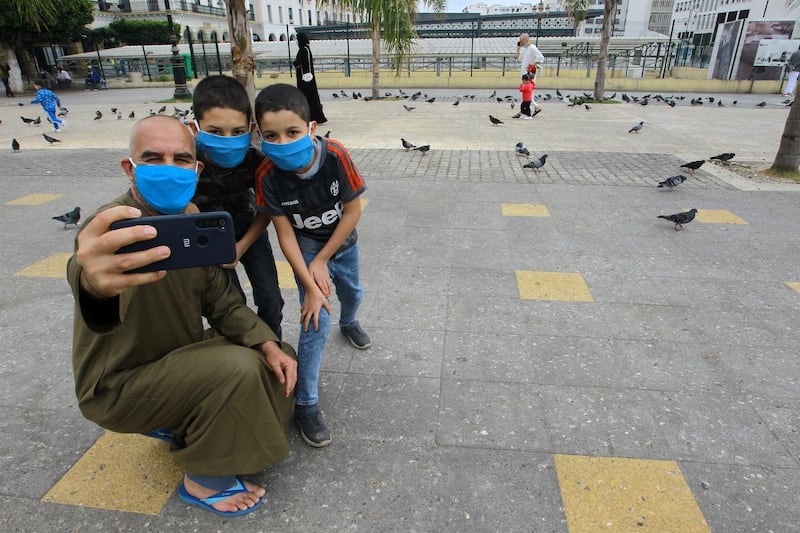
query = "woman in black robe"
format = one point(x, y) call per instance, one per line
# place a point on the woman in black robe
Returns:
point(304, 65)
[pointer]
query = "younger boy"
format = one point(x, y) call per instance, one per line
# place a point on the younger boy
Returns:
point(310, 187)
point(222, 125)
point(49, 102)
point(526, 88)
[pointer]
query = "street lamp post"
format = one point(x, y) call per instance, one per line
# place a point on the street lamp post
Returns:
point(540, 10)
point(178, 70)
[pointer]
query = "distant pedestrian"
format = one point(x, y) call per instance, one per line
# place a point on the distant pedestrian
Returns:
point(306, 80)
point(526, 88)
point(530, 58)
point(49, 102)
point(4, 73)
point(92, 79)
point(794, 67)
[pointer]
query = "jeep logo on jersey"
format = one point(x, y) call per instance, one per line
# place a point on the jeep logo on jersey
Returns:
point(327, 218)
point(335, 188)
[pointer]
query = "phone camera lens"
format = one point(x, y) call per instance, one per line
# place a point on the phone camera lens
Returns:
point(222, 222)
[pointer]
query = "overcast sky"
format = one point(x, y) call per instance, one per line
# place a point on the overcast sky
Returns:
point(455, 6)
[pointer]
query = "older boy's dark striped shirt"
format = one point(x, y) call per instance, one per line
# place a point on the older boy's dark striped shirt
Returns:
point(313, 206)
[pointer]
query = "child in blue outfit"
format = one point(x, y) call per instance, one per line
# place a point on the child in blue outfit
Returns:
point(310, 188)
point(50, 103)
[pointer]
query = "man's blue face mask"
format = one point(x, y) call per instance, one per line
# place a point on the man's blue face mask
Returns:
point(166, 188)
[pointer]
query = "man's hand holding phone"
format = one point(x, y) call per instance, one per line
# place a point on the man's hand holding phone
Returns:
point(103, 271)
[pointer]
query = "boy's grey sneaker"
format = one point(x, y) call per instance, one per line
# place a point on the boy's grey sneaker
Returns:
point(357, 336)
point(312, 425)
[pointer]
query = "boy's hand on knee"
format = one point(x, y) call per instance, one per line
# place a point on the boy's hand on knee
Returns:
point(313, 303)
point(319, 271)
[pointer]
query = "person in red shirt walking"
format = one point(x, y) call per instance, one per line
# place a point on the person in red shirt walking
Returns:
point(526, 88)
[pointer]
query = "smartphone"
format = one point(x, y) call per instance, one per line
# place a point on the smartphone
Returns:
point(198, 239)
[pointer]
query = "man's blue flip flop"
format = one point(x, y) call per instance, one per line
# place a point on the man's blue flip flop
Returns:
point(206, 503)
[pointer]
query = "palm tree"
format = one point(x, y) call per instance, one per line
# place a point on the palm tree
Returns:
point(576, 9)
point(396, 18)
point(788, 156)
point(37, 14)
point(241, 45)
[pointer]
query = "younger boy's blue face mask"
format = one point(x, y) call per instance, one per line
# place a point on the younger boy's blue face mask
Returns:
point(166, 188)
point(226, 152)
point(292, 156)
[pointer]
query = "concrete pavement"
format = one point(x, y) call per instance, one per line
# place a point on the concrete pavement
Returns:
point(548, 356)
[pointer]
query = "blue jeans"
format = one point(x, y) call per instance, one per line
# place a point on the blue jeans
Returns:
point(56, 121)
point(259, 263)
point(343, 269)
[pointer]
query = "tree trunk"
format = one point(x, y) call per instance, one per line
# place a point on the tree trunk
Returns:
point(14, 73)
point(376, 57)
point(788, 156)
point(241, 46)
point(602, 56)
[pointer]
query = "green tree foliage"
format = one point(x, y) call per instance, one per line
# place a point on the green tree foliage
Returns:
point(142, 31)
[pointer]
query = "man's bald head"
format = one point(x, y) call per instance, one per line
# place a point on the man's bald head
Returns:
point(161, 140)
point(144, 127)
point(524, 39)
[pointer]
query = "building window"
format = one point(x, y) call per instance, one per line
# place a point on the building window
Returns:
point(291, 16)
point(309, 17)
point(269, 13)
point(280, 15)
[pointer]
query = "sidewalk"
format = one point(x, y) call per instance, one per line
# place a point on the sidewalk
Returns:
point(548, 355)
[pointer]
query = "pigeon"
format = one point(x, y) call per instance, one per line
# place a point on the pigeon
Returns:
point(119, 115)
point(327, 134)
point(723, 157)
point(408, 108)
point(521, 150)
point(680, 218)
point(175, 108)
point(63, 111)
point(97, 115)
point(355, 95)
point(536, 163)
point(49, 139)
point(761, 104)
point(626, 98)
point(132, 115)
point(152, 112)
point(15, 145)
point(70, 218)
point(27, 120)
point(693, 165)
point(672, 181)
point(163, 108)
point(494, 93)
point(558, 93)
point(20, 104)
point(671, 103)
point(431, 100)
point(407, 145)
point(499, 100)
point(457, 101)
point(637, 128)
point(495, 121)
point(735, 102)
point(113, 109)
point(720, 104)
point(424, 148)
point(37, 121)
point(587, 106)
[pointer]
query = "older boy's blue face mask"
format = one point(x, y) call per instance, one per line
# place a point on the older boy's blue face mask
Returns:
point(292, 156)
point(225, 152)
point(166, 188)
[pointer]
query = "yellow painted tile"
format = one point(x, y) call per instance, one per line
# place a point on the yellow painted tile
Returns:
point(35, 199)
point(364, 202)
point(718, 216)
point(524, 210)
point(130, 473)
point(794, 285)
point(560, 286)
point(611, 494)
point(285, 275)
point(54, 266)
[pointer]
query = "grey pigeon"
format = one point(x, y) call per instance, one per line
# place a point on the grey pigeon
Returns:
point(679, 219)
point(521, 150)
point(49, 139)
point(761, 104)
point(408, 108)
point(38, 120)
point(637, 128)
point(407, 145)
point(70, 218)
point(727, 156)
point(457, 101)
point(327, 134)
point(431, 100)
point(693, 165)
point(672, 181)
point(424, 148)
point(97, 115)
point(132, 115)
point(15, 145)
point(27, 120)
point(494, 93)
point(495, 121)
point(163, 108)
point(536, 163)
